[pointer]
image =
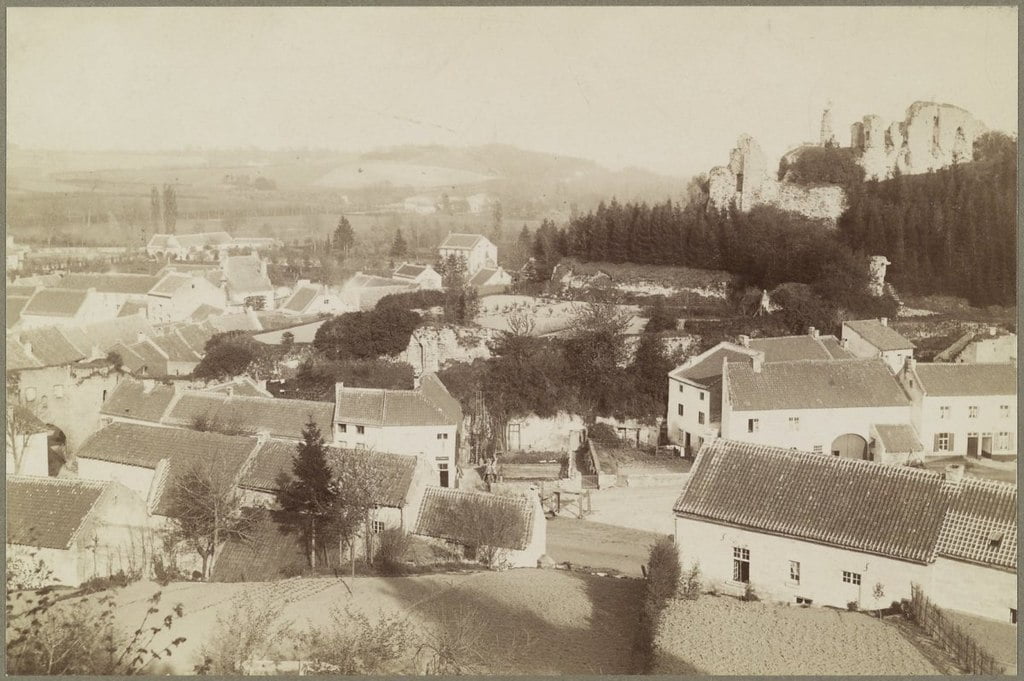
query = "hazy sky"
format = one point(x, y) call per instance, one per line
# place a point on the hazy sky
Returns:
point(665, 88)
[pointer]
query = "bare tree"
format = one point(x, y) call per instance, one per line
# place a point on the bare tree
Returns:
point(206, 510)
point(359, 484)
point(521, 324)
point(21, 425)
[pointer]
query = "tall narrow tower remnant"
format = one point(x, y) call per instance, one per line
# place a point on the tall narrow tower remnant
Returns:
point(828, 137)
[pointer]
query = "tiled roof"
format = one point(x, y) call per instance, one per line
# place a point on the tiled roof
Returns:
point(482, 276)
point(789, 348)
point(273, 550)
point(239, 321)
point(48, 512)
point(880, 335)
point(278, 417)
point(899, 437)
point(377, 407)
point(461, 241)
point(176, 349)
point(373, 281)
point(50, 346)
point(17, 358)
point(169, 284)
point(811, 384)
point(893, 511)
point(956, 348)
point(276, 457)
point(131, 400)
point(26, 423)
point(443, 511)
point(244, 275)
point(204, 312)
point(131, 360)
point(301, 298)
point(55, 302)
point(952, 380)
point(981, 524)
point(243, 386)
point(709, 369)
point(21, 291)
point(144, 446)
point(835, 348)
point(196, 335)
point(137, 284)
point(14, 306)
point(105, 333)
point(410, 271)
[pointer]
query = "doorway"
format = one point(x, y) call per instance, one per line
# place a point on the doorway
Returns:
point(442, 470)
point(972, 444)
point(514, 439)
point(986, 445)
point(850, 446)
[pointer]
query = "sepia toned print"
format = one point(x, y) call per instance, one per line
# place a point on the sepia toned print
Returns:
point(511, 341)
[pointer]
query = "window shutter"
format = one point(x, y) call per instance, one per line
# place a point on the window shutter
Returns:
point(935, 448)
point(952, 446)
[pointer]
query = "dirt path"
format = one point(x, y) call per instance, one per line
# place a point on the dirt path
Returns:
point(596, 545)
point(638, 508)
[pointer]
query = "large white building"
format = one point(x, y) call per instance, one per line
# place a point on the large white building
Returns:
point(476, 249)
point(820, 530)
point(964, 409)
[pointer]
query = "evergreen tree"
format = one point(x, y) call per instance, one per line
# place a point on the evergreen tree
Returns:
point(398, 247)
point(308, 496)
point(170, 209)
point(344, 236)
point(154, 209)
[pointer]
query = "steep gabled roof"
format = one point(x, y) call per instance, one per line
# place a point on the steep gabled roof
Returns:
point(813, 384)
point(706, 369)
point(130, 399)
point(55, 302)
point(17, 358)
point(14, 307)
point(131, 284)
point(145, 446)
point(176, 349)
point(962, 380)
point(410, 271)
point(49, 512)
point(169, 284)
point(790, 348)
point(882, 336)
point(301, 298)
point(50, 346)
point(899, 437)
point(482, 276)
point(278, 417)
point(462, 241)
point(444, 513)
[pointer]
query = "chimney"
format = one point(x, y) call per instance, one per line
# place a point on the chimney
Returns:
point(812, 332)
point(953, 474)
point(884, 321)
point(844, 343)
point(757, 361)
point(745, 340)
point(416, 382)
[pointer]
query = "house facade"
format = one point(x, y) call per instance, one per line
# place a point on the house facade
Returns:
point(424, 276)
point(177, 295)
point(476, 249)
point(869, 338)
point(964, 409)
point(490, 280)
point(991, 346)
point(858, 533)
point(247, 282)
point(113, 291)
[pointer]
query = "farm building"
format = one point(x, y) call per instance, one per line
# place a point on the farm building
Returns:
point(458, 517)
point(362, 291)
point(188, 246)
point(875, 338)
point(247, 283)
point(312, 299)
point(965, 409)
point(476, 249)
point(990, 346)
point(424, 276)
point(79, 529)
point(805, 528)
point(490, 280)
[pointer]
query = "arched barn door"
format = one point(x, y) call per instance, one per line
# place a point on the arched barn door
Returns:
point(850, 446)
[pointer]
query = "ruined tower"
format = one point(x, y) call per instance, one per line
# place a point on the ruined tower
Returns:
point(828, 137)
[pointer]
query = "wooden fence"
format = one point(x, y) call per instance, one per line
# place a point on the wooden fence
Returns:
point(951, 636)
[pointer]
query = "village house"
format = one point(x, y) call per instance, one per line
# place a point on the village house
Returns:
point(990, 346)
point(444, 514)
point(824, 406)
point(313, 299)
point(817, 530)
point(247, 283)
point(187, 246)
point(490, 280)
point(563, 432)
point(79, 529)
point(362, 291)
point(695, 387)
point(875, 338)
point(159, 356)
point(964, 409)
point(57, 306)
point(26, 440)
point(475, 249)
point(114, 290)
point(177, 295)
point(424, 276)
point(301, 334)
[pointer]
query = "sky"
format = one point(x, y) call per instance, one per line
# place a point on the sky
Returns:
point(668, 89)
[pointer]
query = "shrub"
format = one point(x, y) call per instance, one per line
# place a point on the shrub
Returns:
point(602, 432)
point(663, 571)
point(98, 583)
point(691, 583)
point(391, 549)
point(250, 630)
point(853, 606)
point(413, 300)
point(750, 594)
point(353, 645)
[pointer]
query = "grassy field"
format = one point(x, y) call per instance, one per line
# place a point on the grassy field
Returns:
point(719, 635)
point(527, 621)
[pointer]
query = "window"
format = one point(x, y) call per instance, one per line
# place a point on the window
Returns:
point(1003, 441)
point(1004, 411)
point(702, 396)
point(794, 571)
point(700, 417)
point(342, 428)
point(360, 430)
point(972, 412)
point(741, 565)
point(442, 470)
point(818, 449)
point(42, 402)
point(376, 526)
point(58, 391)
point(851, 577)
point(942, 442)
point(104, 398)
point(442, 436)
point(753, 425)
point(680, 410)
point(943, 413)
point(800, 600)
point(30, 394)
point(1013, 615)
point(680, 387)
point(794, 423)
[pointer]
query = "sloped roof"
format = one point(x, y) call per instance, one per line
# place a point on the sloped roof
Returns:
point(378, 407)
point(131, 308)
point(410, 271)
point(301, 298)
point(238, 321)
point(835, 348)
point(14, 307)
point(899, 437)
point(880, 335)
point(55, 302)
point(48, 512)
point(955, 380)
point(981, 524)
point(26, 423)
point(169, 284)
point(813, 384)
point(276, 456)
point(242, 385)
point(130, 359)
point(956, 348)
point(461, 241)
point(20, 291)
point(17, 358)
point(893, 511)
point(279, 417)
point(708, 371)
point(196, 335)
point(144, 446)
point(443, 512)
point(789, 348)
point(159, 241)
point(131, 400)
point(244, 275)
point(105, 333)
point(204, 312)
point(50, 346)
point(482, 276)
point(176, 349)
point(137, 284)
point(373, 281)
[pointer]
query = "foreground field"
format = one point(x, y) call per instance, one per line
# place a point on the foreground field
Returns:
point(726, 636)
point(528, 621)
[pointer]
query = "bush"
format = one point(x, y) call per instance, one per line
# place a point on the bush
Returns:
point(663, 571)
point(94, 584)
point(822, 165)
point(691, 583)
point(391, 549)
point(353, 645)
point(413, 300)
point(602, 432)
point(853, 606)
point(250, 630)
point(749, 594)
